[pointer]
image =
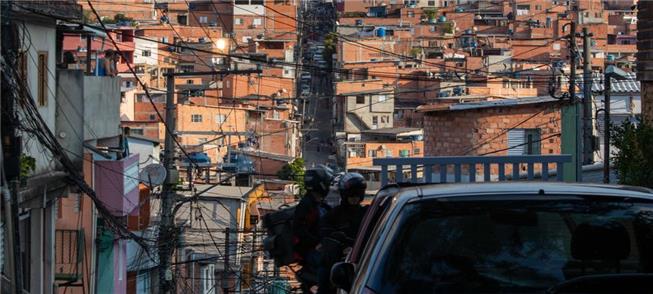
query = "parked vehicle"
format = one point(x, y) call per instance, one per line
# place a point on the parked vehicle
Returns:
point(503, 237)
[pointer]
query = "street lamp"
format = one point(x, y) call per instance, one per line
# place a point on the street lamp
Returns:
point(611, 72)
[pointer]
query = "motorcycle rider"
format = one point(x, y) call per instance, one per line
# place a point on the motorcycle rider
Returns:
point(306, 229)
point(340, 226)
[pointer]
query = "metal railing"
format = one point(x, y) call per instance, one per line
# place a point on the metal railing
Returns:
point(473, 166)
point(69, 253)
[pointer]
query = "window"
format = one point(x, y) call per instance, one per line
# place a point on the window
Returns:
point(431, 3)
point(416, 151)
point(146, 53)
point(246, 39)
point(196, 118)
point(371, 153)
point(559, 235)
point(275, 114)
point(356, 151)
point(404, 153)
point(182, 19)
point(152, 117)
point(375, 120)
point(204, 19)
point(220, 118)
point(190, 82)
point(257, 22)
point(164, 39)
point(411, 14)
point(136, 131)
point(43, 79)
point(238, 21)
point(360, 99)
point(383, 98)
point(524, 142)
point(208, 279)
point(187, 68)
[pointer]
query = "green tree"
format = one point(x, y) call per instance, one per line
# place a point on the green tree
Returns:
point(330, 42)
point(633, 159)
point(447, 28)
point(430, 13)
point(293, 171)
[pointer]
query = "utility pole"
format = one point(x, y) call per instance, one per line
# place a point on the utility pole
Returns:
point(572, 95)
point(606, 128)
point(167, 231)
point(588, 149)
point(254, 258)
point(167, 237)
point(11, 151)
point(225, 271)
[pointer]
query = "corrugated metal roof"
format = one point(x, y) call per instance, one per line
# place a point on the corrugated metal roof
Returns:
point(630, 85)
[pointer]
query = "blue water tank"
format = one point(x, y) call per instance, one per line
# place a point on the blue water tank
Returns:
point(380, 32)
point(610, 57)
point(442, 18)
point(460, 9)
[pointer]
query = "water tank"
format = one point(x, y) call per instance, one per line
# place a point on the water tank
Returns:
point(380, 32)
point(460, 9)
point(610, 57)
point(442, 18)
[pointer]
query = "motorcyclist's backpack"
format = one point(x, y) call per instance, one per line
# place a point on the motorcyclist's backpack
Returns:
point(279, 242)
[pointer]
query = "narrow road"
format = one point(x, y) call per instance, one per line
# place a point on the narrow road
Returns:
point(317, 140)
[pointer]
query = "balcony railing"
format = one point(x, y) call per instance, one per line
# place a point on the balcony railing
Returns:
point(472, 168)
point(69, 254)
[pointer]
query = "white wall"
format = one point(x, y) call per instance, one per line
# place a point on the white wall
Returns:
point(145, 150)
point(141, 45)
point(43, 39)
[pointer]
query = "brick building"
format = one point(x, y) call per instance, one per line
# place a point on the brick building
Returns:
point(645, 56)
point(493, 127)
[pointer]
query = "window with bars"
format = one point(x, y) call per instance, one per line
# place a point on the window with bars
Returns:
point(196, 118)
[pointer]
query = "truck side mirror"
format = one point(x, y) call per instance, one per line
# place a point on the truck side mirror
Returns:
point(342, 275)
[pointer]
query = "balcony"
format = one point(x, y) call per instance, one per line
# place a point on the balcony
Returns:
point(69, 254)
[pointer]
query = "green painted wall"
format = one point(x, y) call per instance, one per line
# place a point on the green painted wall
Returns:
point(105, 270)
point(569, 140)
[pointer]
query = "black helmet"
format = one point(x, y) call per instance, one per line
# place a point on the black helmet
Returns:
point(351, 185)
point(318, 179)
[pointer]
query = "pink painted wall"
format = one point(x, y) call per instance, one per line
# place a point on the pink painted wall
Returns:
point(116, 184)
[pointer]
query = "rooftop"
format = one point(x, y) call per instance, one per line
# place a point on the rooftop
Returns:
point(230, 192)
point(487, 104)
point(391, 131)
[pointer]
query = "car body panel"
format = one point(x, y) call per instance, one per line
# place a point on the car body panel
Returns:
point(372, 235)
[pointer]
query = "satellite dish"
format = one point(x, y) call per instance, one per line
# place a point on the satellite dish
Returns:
point(153, 174)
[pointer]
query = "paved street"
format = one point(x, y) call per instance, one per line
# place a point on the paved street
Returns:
point(317, 112)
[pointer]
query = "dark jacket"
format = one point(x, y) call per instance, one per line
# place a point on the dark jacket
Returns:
point(306, 225)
